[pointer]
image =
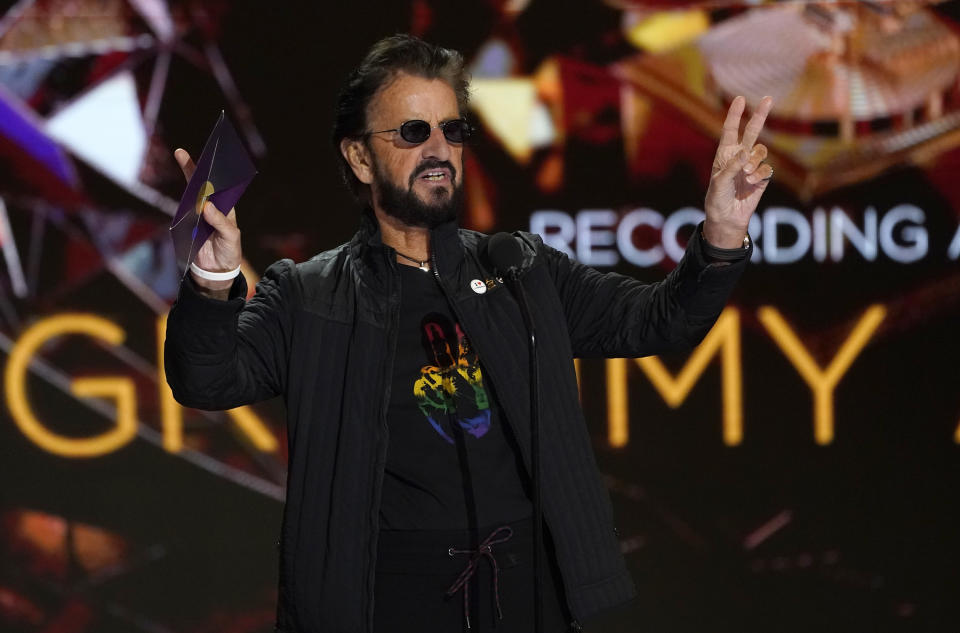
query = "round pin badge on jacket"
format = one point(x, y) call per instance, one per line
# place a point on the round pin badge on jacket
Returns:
point(478, 286)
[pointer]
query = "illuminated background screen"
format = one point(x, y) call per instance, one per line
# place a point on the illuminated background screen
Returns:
point(796, 472)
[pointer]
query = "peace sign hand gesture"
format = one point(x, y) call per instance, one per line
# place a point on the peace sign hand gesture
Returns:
point(738, 177)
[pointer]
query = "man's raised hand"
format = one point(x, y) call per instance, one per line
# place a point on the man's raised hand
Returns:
point(738, 178)
point(220, 253)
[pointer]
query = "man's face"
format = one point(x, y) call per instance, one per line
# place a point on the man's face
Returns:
point(420, 185)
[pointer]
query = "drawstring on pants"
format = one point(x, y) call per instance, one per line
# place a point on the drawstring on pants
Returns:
point(484, 550)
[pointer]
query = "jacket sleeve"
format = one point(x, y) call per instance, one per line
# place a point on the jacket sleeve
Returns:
point(612, 315)
point(224, 354)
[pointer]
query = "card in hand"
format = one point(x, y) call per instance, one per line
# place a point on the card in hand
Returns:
point(222, 174)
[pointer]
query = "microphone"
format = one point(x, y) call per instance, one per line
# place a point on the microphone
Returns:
point(504, 252)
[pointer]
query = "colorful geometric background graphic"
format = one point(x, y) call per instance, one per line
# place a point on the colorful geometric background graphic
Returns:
point(798, 471)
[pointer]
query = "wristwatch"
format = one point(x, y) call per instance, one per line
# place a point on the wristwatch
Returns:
point(725, 254)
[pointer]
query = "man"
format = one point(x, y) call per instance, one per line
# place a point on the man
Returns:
point(403, 364)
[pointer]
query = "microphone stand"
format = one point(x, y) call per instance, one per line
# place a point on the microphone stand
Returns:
point(513, 282)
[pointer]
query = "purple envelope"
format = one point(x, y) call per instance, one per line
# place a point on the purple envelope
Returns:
point(223, 173)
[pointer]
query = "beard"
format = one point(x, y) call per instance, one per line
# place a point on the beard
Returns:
point(407, 207)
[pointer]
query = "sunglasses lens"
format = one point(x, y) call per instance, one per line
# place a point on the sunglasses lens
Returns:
point(456, 131)
point(415, 131)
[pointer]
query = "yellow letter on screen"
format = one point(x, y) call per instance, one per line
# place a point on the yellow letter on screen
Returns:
point(821, 382)
point(171, 412)
point(618, 404)
point(119, 388)
point(724, 337)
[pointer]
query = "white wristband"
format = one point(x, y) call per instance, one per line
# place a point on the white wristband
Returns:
point(206, 274)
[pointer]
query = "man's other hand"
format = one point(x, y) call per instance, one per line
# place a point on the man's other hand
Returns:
point(738, 178)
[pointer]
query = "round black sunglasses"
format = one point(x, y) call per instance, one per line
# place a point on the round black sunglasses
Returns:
point(417, 131)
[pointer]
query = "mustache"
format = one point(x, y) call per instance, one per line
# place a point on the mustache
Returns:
point(433, 164)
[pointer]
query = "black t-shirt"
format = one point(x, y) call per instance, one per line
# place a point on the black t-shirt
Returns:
point(451, 463)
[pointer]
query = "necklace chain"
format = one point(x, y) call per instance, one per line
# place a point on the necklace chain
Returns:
point(423, 264)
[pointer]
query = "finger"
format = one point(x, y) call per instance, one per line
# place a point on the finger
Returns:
point(217, 220)
point(757, 154)
point(735, 165)
point(186, 163)
point(761, 176)
point(731, 125)
point(755, 125)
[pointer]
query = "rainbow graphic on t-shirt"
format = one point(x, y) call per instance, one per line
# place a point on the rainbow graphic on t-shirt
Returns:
point(452, 387)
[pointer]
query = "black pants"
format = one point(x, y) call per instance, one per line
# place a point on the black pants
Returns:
point(415, 570)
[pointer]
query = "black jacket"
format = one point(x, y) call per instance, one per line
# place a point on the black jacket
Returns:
point(322, 334)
